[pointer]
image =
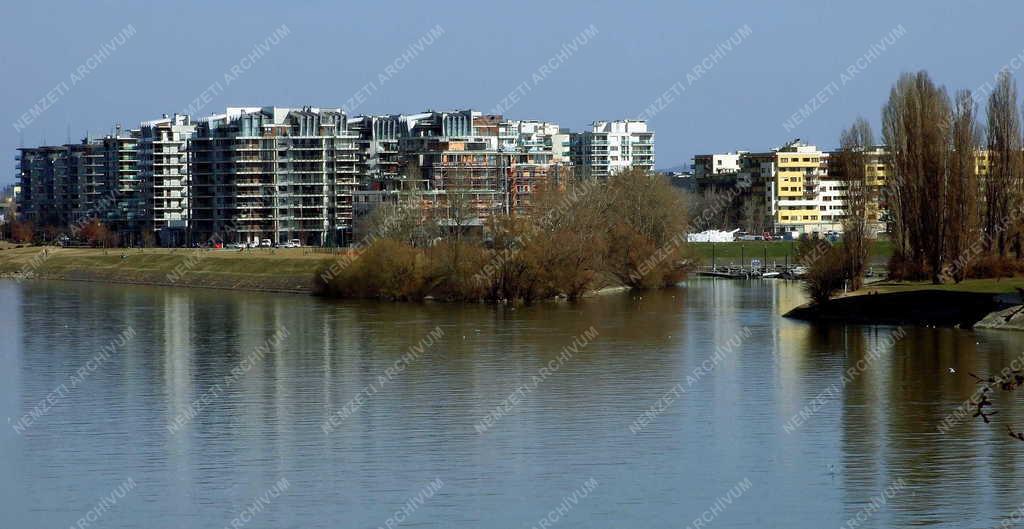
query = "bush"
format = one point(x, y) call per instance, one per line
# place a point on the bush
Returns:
point(387, 269)
point(992, 266)
point(646, 225)
point(631, 228)
point(825, 276)
point(903, 268)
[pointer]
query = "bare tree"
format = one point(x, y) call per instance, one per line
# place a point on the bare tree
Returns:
point(854, 143)
point(962, 218)
point(915, 125)
point(1002, 186)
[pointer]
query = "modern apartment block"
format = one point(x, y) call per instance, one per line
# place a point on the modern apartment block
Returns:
point(791, 188)
point(113, 191)
point(456, 156)
point(256, 173)
point(273, 173)
point(805, 198)
point(377, 145)
point(705, 165)
point(39, 189)
point(612, 146)
point(164, 172)
point(461, 163)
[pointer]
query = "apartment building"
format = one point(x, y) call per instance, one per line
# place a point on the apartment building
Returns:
point(97, 178)
point(255, 173)
point(112, 189)
point(612, 146)
point(793, 187)
point(377, 145)
point(273, 173)
point(539, 153)
point(464, 165)
point(456, 156)
point(164, 172)
point(38, 199)
point(805, 198)
point(705, 165)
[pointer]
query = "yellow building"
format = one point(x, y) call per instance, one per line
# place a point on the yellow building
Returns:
point(804, 198)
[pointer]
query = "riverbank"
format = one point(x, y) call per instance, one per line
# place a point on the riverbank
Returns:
point(266, 270)
point(984, 303)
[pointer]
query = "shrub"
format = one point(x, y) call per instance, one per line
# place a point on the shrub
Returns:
point(991, 266)
point(903, 268)
point(825, 276)
point(647, 223)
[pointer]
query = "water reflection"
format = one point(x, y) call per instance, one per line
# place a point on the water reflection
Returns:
point(878, 427)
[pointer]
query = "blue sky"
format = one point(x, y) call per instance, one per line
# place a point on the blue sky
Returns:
point(488, 49)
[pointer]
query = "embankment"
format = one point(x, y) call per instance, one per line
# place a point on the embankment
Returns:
point(278, 270)
point(918, 307)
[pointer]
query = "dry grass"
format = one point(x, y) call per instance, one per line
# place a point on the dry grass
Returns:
point(256, 269)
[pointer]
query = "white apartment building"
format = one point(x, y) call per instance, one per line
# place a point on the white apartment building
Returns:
point(164, 172)
point(612, 146)
point(712, 164)
point(527, 135)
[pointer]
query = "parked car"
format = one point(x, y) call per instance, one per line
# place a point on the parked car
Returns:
point(254, 244)
point(295, 243)
point(266, 243)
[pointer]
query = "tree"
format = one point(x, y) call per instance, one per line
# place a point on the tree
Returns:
point(852, 165)
point(825, 275)
point(568, 240)
point(962, 218)
point(915, 125)
point(97, 234)
point(646, 219)
point(22, 232)
point(1002, 186)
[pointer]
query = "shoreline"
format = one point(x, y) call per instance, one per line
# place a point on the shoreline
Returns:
point(281, 271)
point(278, 271)
point(142, 283)
point(921, 307)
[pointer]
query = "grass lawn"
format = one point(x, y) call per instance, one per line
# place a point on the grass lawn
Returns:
point(286, 268)
point(774, 251)
point(988, 286)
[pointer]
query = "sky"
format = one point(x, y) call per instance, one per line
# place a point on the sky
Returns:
point(709, 76)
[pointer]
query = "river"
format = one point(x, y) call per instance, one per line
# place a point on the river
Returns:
point(700, 406)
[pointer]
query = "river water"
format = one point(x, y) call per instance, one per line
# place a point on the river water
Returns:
point(701, 406)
